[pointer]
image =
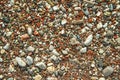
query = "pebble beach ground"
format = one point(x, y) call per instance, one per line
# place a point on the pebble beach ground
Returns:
point(59, 39)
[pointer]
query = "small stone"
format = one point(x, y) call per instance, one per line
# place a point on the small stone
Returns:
point(20, 62)
point(64, 21)
point(8, 34)
point(1, 77)
point(54, 58)
point(99, 25)
point(83, 50)
point(108, 71)
point(12, 2)
point(6, 19)
point(118, 40)
point(102, 78)
point(41, 65)
point(51, 69)
point(11, 68)
point(1, 60)
point(51, 48)
point(74, 41)
point(111, 7)
point(29, 30)
point(7, 46)
point(109, 33)
point(86, 12)
point(101, 51)
point(37, 77)
point(94, 78)
point(29, 60)
point(55, 52)
point(24, 36)
point(30, 49)
point(51, 78)
point(65, 52)
point(2, 51)
point(55, 8)
point(10, 78)
point(88, 40)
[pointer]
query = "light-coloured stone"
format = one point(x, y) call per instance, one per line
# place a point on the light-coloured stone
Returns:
point(2, 51)
point(29, 60)
point(20, 62)
point(29, 30)
point(83, 50)
point(55, 52)
point(108, 71)
point(11, 68)
point(51, 69)
point(65, 52)
point(99, 25)
point(64, 21)
point(88, 40)
point(7, 46)
point(102, 78)
point(41, 65)
point(37, 77)
point(74, 41)
point(8, 34)
point(30, 48)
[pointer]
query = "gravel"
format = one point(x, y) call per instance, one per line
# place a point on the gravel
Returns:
point(29, 60)
point(30, 49)
point(88, 40)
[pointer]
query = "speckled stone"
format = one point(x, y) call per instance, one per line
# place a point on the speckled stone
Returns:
point(108, 71)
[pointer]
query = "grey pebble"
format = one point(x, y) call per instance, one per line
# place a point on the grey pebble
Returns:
point(10, 79)
point(20, 62)
point(54, 58)
point(108, 71)
point(1, 60)
point(88, 40)
point(29, 60)
point(83, 50)
point(30, 48)
point(109, 33)
point(7, 46)
point(41, 65)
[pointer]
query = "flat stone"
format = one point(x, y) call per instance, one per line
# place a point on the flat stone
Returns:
point(20, 62)
point(65, 52)
point(7, 46)
point(8, 34)
point(51, 69)
point(108, 71)
point(102, 78)
point(88, 40)
point(1, 60)
point(83, 50)
point(41, 65)
point(30, 48)
point(29, 60)
point(37, 77)
point(29, 30)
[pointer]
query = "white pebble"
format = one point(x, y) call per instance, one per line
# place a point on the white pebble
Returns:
point(83, 50)
point(7, 46)
point(29, 60)
point(41, 65)
point(64, 21)
point(64, 52)
point(55, 8)
point(108, 71)
point(99, 25)
point(88, 40)
point(29, 30)
point(102, 78)
point(20, 62)
point(30, 48)
point(55, 52)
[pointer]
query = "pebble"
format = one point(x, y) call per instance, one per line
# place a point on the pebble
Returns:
point(99, 25)
point(83, 50)
point(2, 51)
point(8, 34)
point(41, 65)
point(1, 77)
point(29, 60)
point(118, 40)
point(29, 30)
point(10, 78)
point(102, 78)
point(37, 77)
point(51, 48)
point(108, 71)
point(20, 62)
point(51, 69)
point(54, 58)
point(51, 78)
point(55, 8)
point(7, 46)
point(55, 52)
point(30, 49)
point(11, 68)
point(65, 52)
point(101, 51)
point(88, 40)
point(64, 21)
point(109, 33)
point(74, 41)
point(1, 60)
point(86, 12)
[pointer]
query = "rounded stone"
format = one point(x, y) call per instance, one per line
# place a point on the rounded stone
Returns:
point(41, 65)
point(108, 71)
point(20, 62)
point(29, 60)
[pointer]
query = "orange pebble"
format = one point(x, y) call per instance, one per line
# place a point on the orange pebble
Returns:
point(24, 36)
point(36, 33)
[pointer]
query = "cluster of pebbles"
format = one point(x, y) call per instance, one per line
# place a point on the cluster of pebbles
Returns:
point(59, 39)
